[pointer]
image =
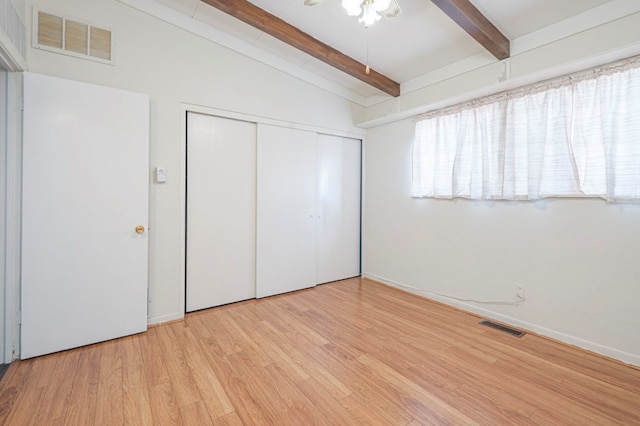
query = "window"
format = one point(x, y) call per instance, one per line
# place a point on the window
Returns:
point(574, 136)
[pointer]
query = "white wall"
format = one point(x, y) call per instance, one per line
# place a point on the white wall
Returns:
point(578, 258)
point(19, 5)
point(176, 67)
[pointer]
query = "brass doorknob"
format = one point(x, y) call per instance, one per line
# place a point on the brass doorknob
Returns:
point(139, 229)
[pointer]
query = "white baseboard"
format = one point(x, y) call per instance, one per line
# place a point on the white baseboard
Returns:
point(165, 318)
point(594, 347)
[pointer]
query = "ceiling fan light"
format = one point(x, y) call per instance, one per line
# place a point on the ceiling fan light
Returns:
point(369, 15)
point(368, 11)
point(381, 5)
point(392, 11)
point(352, 7)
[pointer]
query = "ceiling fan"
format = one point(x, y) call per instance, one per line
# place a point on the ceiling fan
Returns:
point(368, 11)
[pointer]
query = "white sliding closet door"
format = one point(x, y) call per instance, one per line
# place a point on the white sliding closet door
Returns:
point(286, 219)
point(338, 227)
point(221, 212)
point(85, 183)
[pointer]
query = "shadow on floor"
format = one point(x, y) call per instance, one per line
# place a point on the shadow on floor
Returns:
point(3, 369)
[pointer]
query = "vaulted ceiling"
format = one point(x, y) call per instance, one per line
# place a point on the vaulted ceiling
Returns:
point(428, 37)
point(463, 12)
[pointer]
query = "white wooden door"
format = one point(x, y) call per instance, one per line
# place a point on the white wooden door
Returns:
point(286, 210)
point(338, 228)
point(221, 212)
point(85, 190)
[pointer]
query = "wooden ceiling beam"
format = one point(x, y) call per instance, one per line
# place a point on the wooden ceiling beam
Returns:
point(278, 28)
point(467, 16)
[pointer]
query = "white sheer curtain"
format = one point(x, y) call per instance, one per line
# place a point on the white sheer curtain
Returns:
point(574, 136)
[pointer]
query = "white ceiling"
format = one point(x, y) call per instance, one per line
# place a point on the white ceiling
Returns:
point(421, 40)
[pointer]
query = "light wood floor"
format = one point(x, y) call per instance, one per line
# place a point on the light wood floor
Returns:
point(347, 353)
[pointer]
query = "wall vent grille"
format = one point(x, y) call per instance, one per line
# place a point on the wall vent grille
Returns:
point(71, 37)
point(512, 331)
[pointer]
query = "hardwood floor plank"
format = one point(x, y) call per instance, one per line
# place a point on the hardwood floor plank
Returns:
point(321, 375)
point(10, 371)
point(43, 369)
point(243, 330)
point(230, 419)
point(260, 341)
point(297, 326)
point(249, 412)
point(57, 396)
point(300, 410)
point(164, 407)
point(492, 406)
point(282, 353)
point(245, 408)
point(195, 414)
point(213, 321)
point(180, 375)
point(333, 331)
point(381, 399)
point(267, 314)
point(349, 352)
point(214, 397)
point(326, 402)
point(110, 406)
point(273, 404)
point(554, 416)
point(136, 399)
point(370, 408)
point(613, 401)
point(83, 399)
point(510, 382)
point(439, 409)
point(154, 361)
point(15, 407)
point(425, 370)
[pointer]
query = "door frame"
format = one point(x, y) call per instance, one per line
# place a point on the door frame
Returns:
point(12, 202)
point(187, 107)
point(4, 102)
point(13, 61)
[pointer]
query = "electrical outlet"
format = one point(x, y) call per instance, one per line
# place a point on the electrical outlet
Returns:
point(519, 292)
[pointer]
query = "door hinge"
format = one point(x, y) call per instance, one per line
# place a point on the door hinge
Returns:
point(148, 301)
